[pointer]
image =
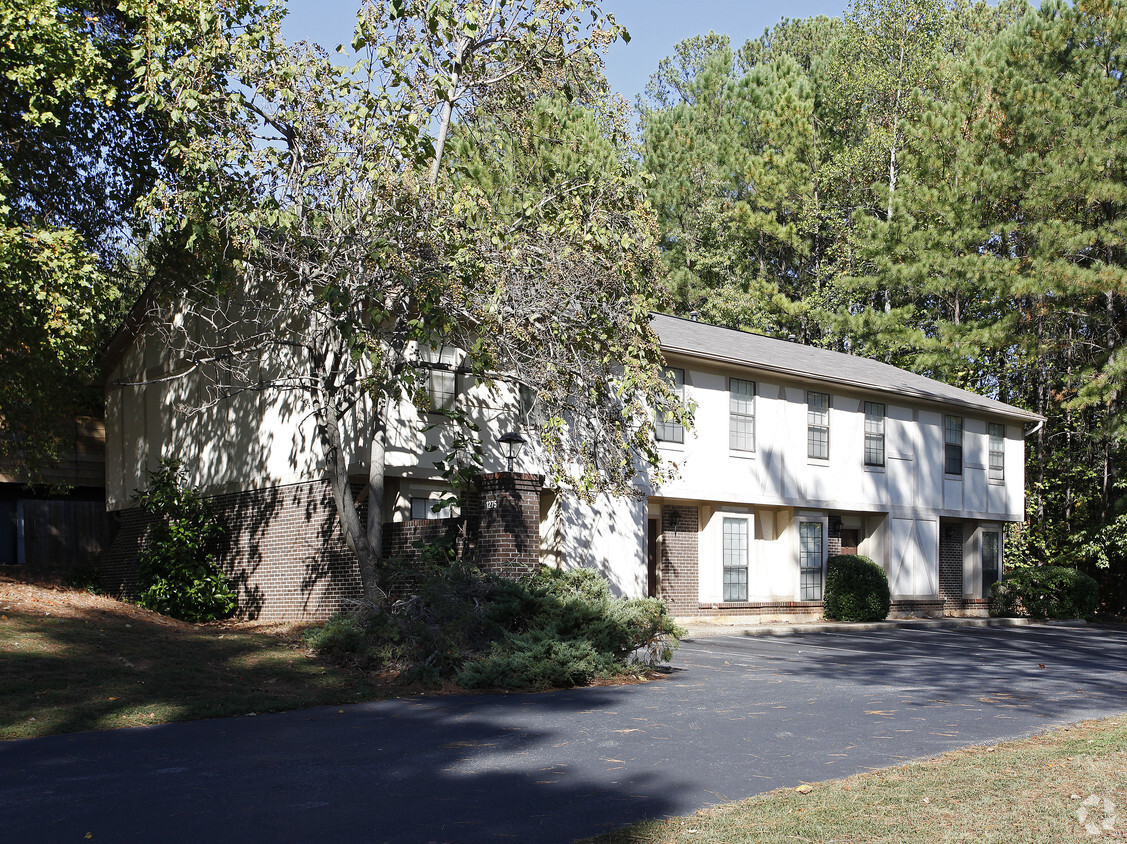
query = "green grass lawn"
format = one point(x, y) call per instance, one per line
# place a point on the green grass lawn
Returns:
point(107, 669)
point(1038, 789)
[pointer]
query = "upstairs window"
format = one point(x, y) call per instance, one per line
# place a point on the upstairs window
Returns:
point(953, 445)
point(997, 466)
point(874, 434)
point(441, 379)
point(818, 425)
point(668, 429)
point(741, 415)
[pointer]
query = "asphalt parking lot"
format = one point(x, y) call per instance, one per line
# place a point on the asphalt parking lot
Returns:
point(736, 717)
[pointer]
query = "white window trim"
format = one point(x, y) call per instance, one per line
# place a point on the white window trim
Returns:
point(732, 416)
point(799, 518)
point(749, 518)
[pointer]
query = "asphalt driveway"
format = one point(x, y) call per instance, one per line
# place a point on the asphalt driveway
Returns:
point(737, 717)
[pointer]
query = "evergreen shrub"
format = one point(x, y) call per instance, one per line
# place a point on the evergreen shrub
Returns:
point(1045, 592)
point(177, 569)
point(552, 629)
point(856, 589)
point(340, 635)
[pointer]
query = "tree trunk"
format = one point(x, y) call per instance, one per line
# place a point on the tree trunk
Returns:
point(377, 462)
point(328, 422)
point(464, 44)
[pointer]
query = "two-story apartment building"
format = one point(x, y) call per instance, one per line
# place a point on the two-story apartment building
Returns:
point(796, 453)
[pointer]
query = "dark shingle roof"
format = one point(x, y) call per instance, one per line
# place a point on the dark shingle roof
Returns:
point(727, 345)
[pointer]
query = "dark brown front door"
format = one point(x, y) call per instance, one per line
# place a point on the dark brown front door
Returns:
point(848, 541)
point(651, 558)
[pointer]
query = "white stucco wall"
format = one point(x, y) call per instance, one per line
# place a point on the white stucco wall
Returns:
point(779, 472)
point(895, 508)
point(608, 535)
point(267, 438)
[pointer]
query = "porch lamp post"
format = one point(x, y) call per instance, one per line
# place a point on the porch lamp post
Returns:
point(512, 442)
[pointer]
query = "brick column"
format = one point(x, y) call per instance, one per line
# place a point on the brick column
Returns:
point(680, 582)
point(502, 514)
point(951, 564)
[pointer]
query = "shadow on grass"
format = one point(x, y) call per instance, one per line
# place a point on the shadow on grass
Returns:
point(101, 671)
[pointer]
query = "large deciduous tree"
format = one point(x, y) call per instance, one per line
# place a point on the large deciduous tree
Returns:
point(442, 191)
point(74, 156)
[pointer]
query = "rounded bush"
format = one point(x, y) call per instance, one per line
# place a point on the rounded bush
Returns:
point(341, 634)
point(856, 589)
point(1046, 592)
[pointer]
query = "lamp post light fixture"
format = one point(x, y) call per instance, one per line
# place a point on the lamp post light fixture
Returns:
point(512, 442)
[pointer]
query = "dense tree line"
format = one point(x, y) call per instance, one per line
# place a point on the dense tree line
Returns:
point(936, 183)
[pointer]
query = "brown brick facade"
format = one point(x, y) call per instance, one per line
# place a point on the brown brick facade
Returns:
point(805, 610)
point(285, 551)
point(951, 563)
point(918, 607)
point(403, 540)
point(502, 515)
point(680, 559)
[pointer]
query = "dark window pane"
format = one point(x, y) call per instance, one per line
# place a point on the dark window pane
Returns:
point(997, 466)
point(953, 459)
point(874, 434)
point(953, 445)
point(735, 559)
point(991, 559)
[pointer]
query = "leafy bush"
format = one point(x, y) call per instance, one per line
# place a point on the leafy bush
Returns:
point(856, 589)
point(177, 570)
point(551, 629)
point(1045, 592)
point(341, 634)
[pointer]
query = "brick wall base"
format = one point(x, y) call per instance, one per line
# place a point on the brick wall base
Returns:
point(285, 552)
point(917, 608)
point(791, 610)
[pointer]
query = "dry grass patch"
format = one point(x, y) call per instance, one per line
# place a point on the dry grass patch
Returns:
point(74, 661)
point(1032, 790)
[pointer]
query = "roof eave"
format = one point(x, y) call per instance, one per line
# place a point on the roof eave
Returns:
point(1009, 412)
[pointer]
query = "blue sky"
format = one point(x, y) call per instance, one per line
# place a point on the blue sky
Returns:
point(654, 25)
